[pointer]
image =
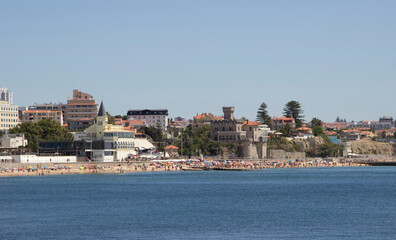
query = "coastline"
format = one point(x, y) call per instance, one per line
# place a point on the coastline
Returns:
point(16, 170)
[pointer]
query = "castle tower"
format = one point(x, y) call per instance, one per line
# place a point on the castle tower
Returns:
point(228, 113)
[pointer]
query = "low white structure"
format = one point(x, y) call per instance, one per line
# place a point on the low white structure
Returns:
point(143, 144)
point(44, 159)
point(13, 141)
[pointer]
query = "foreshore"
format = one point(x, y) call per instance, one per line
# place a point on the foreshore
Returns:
point(16, 169)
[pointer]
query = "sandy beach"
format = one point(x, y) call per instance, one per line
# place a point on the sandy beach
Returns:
point(15, 169)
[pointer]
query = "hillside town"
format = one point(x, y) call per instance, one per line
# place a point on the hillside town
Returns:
point(81, 130)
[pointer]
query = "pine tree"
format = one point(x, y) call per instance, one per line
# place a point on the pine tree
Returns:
point(293, 109)
point(262, 115)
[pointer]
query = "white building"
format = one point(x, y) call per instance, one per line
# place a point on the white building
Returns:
point(13, 141)
point(9, 117)
point(152, 117)
point(44, 159)
point(108, 142)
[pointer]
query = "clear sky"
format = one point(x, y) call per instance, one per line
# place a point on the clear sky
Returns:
point(337, 58)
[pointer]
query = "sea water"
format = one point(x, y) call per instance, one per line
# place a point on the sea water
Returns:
point(304, 203)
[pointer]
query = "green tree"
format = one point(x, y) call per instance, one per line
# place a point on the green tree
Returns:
point(1, 133)
point(262, 115)
point(124, 117)
point(293, 109)
point(317, 130)
point(110, 118)
point(286, 130)
point(198, 141)
point(44, 130)
point(316, 122)
point(155, 133)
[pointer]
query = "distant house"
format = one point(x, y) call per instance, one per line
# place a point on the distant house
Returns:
point(204, 119)
point(277, 123)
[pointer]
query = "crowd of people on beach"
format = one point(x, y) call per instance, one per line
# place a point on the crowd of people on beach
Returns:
point(169, 165)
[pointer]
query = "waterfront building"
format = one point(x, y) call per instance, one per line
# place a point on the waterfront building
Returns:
point(113, 142)
point(252, 136)
point(37, 115)
point(152, 117)
point(80, 111)
point(9, 117)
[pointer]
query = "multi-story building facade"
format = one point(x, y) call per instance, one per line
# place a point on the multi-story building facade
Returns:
point(37, 115)
point(9, 116)
point(50, 106)
point(152, 117)
point(80, 111)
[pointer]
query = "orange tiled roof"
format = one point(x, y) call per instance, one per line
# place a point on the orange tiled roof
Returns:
point(170, 147)
point(203, 115)
point(303, 128)
point(249, 123)
point(283, 118)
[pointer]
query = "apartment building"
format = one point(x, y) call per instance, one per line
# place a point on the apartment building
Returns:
point(37, 115)
point(80, 111)
point(9, 117)
point(152, 117)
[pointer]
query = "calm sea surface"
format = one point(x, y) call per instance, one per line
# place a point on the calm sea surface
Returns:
point(310, 203)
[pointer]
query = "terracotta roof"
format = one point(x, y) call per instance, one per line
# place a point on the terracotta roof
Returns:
point(303, 128)
point(249, 123)
point(204, 115)
point(284, 118)
point(170, 147)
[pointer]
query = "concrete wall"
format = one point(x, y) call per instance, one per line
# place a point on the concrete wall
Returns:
point(44, 159)
point(282, 154)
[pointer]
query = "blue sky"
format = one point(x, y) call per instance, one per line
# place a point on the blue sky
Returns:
point(337, 58)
